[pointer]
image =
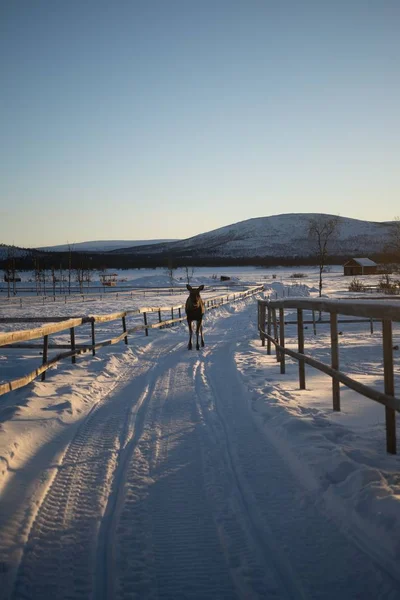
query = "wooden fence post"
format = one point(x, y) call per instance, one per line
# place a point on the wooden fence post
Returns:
point(390, 413)
point(72, 330)
point(159, 315)
point(275, 326)
point(262, 323)
point(93, 338)
point(124, 329)
point(269, 330)
point(179, 312)
point(335, 360)
point(313, 321)
point(45, 349)
point(300, 337)
point(282, 337)
point(145, 322)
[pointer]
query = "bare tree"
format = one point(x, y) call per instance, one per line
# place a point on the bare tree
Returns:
point(7, 278)
point(8, 269)
point(393, 245)
point(53, 280)
point(83, 274)
point(189, 272)
point(38, 276)
point(170, 270)
point(88, 276)
point(80, 276)
point(44, 279)
point(102, 271)
point(10, 272)
point(61, 279)
point(70, 248)
point(322, 230)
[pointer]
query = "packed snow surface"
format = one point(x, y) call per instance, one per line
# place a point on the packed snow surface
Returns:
point(151, 471)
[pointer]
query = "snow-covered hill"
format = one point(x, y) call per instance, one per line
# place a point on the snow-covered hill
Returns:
point(102, 245)
point(279, 236)
point(12, 252)
point(276, 236)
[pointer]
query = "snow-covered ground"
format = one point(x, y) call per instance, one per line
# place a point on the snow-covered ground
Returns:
point(149, 471)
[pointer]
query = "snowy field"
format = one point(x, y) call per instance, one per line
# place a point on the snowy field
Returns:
point(149, 471)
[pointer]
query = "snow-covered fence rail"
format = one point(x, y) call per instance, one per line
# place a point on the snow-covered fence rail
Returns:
point(314, 322)
point(18, 339)
point(30, 297)
point(272, 328)
point(89, 295)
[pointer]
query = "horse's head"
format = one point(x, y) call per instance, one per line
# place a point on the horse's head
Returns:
point(194, 295)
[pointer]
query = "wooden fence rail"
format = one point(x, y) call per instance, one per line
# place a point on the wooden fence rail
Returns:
point(15, 339)
point(272, 329)
point(95, 294)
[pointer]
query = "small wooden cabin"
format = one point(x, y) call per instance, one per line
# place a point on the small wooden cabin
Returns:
point(360, 266)
point(109, 279)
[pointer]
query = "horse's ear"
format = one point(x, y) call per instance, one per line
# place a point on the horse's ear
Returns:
point(189, 287)
point(201, 287)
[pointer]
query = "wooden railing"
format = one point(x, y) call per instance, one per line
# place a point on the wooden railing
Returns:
point(272, 328)
point(95, 293)
point(18, 339)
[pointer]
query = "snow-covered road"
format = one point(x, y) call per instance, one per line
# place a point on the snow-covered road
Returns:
point(170, 488)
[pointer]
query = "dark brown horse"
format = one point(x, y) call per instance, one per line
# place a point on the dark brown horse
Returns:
point(194, 308)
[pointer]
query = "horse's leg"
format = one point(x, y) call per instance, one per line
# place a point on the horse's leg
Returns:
point(197, 334)
point(201, 334)
point(190, 335)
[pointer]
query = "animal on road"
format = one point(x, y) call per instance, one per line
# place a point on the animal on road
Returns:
point(195, 309)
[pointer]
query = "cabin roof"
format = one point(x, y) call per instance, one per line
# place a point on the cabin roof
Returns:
point(363, 262)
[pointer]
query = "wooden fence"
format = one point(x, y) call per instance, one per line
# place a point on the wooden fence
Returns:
point(272, 328)
point(18, 339)
point(103, 294)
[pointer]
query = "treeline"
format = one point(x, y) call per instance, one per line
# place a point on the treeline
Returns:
point(100, 261)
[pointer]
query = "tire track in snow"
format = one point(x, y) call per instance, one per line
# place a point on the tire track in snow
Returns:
point(105, 571)
point(252, 566)
point(104, 578)
point(59, 557)
point(311, 557)
point(167, 545)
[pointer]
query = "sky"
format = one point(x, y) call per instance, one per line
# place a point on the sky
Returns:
point(134, 120)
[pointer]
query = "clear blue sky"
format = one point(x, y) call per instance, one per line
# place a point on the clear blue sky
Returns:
point(164, 119)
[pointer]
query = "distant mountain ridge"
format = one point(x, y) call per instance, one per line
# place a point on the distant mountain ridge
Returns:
point(283, 235)
point(102, 245)
point(275, 237)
